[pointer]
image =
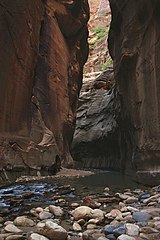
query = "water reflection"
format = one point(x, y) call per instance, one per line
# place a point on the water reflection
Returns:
point(17, 198)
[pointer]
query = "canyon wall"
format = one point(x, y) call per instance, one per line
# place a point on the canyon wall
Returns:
point(96, 138)
point(134, 43)
point(43, 50)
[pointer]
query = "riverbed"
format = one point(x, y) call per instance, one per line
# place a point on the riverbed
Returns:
point(21, 196)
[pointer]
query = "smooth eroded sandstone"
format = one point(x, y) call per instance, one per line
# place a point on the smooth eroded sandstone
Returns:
point(43, 49)
point(135, 48)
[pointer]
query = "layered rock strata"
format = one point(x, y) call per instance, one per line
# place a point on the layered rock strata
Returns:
point(96, 138)
point(43, 49)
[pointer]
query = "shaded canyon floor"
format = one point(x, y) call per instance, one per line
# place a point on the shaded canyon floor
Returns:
point(88, 205)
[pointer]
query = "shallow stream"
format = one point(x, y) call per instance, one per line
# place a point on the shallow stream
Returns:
point(19, 198)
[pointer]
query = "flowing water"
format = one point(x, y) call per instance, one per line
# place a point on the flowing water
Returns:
point(19, 198)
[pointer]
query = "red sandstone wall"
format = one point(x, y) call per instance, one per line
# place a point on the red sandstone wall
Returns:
point(43, 49)
point(135, 47)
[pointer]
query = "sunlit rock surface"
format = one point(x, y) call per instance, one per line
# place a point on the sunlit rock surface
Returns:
point(43, 49)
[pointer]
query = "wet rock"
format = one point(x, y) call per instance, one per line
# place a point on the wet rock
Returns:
point(114, 213)
point(34, 213)
point(92, 221)
point(82, 212)
point(132, 209)
point(125, 237)
point(39, 209)
point(143, 196)
point(44, 215)
point(131, 200)
point(153, 211)
point(152, 203)
point(81, 221)
point(36, 236)
point(148, 230)
point(16, 237)
point(56, 211)
point(12, 228)
point(24, 221)
point(119, 230)
point(41, 224)
point(122, 196)
point(124, 214)
point(124, 209)
point(111, 237)
point(98, 214)
point(107, 189)
point(144, 236)
point(92, 235)
point(107, 199)
point(8, 222)
point(109, 229)
point(90, 202)
point(132, 229)
point(129, 219)
point(4, 235)
point(102, 238)
point(76, 227)
point(157, 225)
point(1, 219)
point(141, 216)
point(91, 226)
point(52, 231)
point(74, 204)
point(151, 199)
point(155, 236)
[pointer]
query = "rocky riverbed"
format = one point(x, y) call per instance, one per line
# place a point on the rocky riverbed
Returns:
point(50, 210)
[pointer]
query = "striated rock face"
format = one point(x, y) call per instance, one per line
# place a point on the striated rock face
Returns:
point(135, 47)
point(43, 49)
point(96, 138)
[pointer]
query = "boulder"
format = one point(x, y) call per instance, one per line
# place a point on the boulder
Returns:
point(56, 211)
point(132, 229)
point(141, 216)
point(82, 212)
point(23, 221)
point(36, 236)
point(45, 215)
point(52, 231)
point(12, 229)
point(125, 237)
